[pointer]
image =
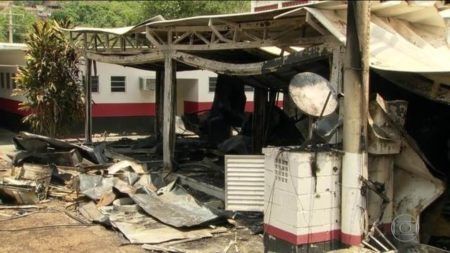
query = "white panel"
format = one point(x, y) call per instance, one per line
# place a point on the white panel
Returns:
point(299, 202)
point(244, 182)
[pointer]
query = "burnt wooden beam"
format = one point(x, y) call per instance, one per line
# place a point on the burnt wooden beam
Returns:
point(88, 99)
point(159, 95)
point(309, 54)
point(259, 119)
point(127, 59)
point(174, 109)
point(88, 102)
point(418, 84)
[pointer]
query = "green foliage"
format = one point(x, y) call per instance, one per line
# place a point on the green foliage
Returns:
point(49, 81)
point(100, 13)
point(182, 8)
point(3, 27)
point(113, 13)
point(124, 13)
point(22, 23)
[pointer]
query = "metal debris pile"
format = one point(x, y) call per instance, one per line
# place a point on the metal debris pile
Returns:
point(117, 190)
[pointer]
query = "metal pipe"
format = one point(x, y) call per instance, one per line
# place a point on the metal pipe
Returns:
point(355, 115)
point(384, 237)
point(370, 246)
point(378, 242)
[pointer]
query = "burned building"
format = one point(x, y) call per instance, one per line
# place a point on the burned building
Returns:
point(360, 147)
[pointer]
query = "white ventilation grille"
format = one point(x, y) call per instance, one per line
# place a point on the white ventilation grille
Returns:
point(281, 170)
point(244, 182)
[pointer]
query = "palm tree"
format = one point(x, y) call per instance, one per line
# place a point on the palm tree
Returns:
point(50, 81)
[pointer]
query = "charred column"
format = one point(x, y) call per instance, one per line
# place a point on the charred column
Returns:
point(88, 99)
point(259, 119)
point(168, 115)
point(159, 95)
point(356, 72)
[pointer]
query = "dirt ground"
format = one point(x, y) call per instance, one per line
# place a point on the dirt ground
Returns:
point(29, 234)
point(49, 229)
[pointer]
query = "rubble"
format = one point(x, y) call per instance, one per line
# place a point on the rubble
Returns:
point(119, 191)
point(34, 144)
point(119, 185)
point(174, 206)
point(27, 184)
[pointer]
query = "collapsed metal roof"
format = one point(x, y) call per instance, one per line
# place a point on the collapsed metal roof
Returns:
point(405, 38)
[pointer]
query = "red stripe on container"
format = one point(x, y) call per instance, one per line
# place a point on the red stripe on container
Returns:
point(302, 239)
point(351, 240)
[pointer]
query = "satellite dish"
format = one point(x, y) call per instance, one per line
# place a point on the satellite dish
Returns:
point(310, 92)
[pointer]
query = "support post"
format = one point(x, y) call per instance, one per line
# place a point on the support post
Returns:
point(336, 82)
point(259, 119)
point(168, 116)
point(159, 89)
point(88, 101)
point(174, 107)
point(355, 122)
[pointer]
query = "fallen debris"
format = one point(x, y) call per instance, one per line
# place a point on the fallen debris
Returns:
point(27, 185)
point(174, 206)
point(124, 192)
point(20, 207)
point(162, 248)
point(95, 186)
point(211, 190)
point(38, 144)
point(91, 213)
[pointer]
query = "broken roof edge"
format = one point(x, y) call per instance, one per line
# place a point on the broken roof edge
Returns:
point(231, 15)
point(410, 47)
point(159, 21)
point(117, 30)
point(417, 49)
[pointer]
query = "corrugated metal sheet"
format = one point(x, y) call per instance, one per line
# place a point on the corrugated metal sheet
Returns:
point(117, 31)
point(405, 37)
point(244, 182)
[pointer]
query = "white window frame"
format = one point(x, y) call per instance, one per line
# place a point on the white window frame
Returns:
point(98, 83)
point(2, 80)
point(8, 80)
point(209, 84)
point(124, 83)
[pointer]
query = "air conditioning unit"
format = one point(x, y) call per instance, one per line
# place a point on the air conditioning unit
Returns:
point(147, 83)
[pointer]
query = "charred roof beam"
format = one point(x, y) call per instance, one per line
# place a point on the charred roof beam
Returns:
point(309, 54)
